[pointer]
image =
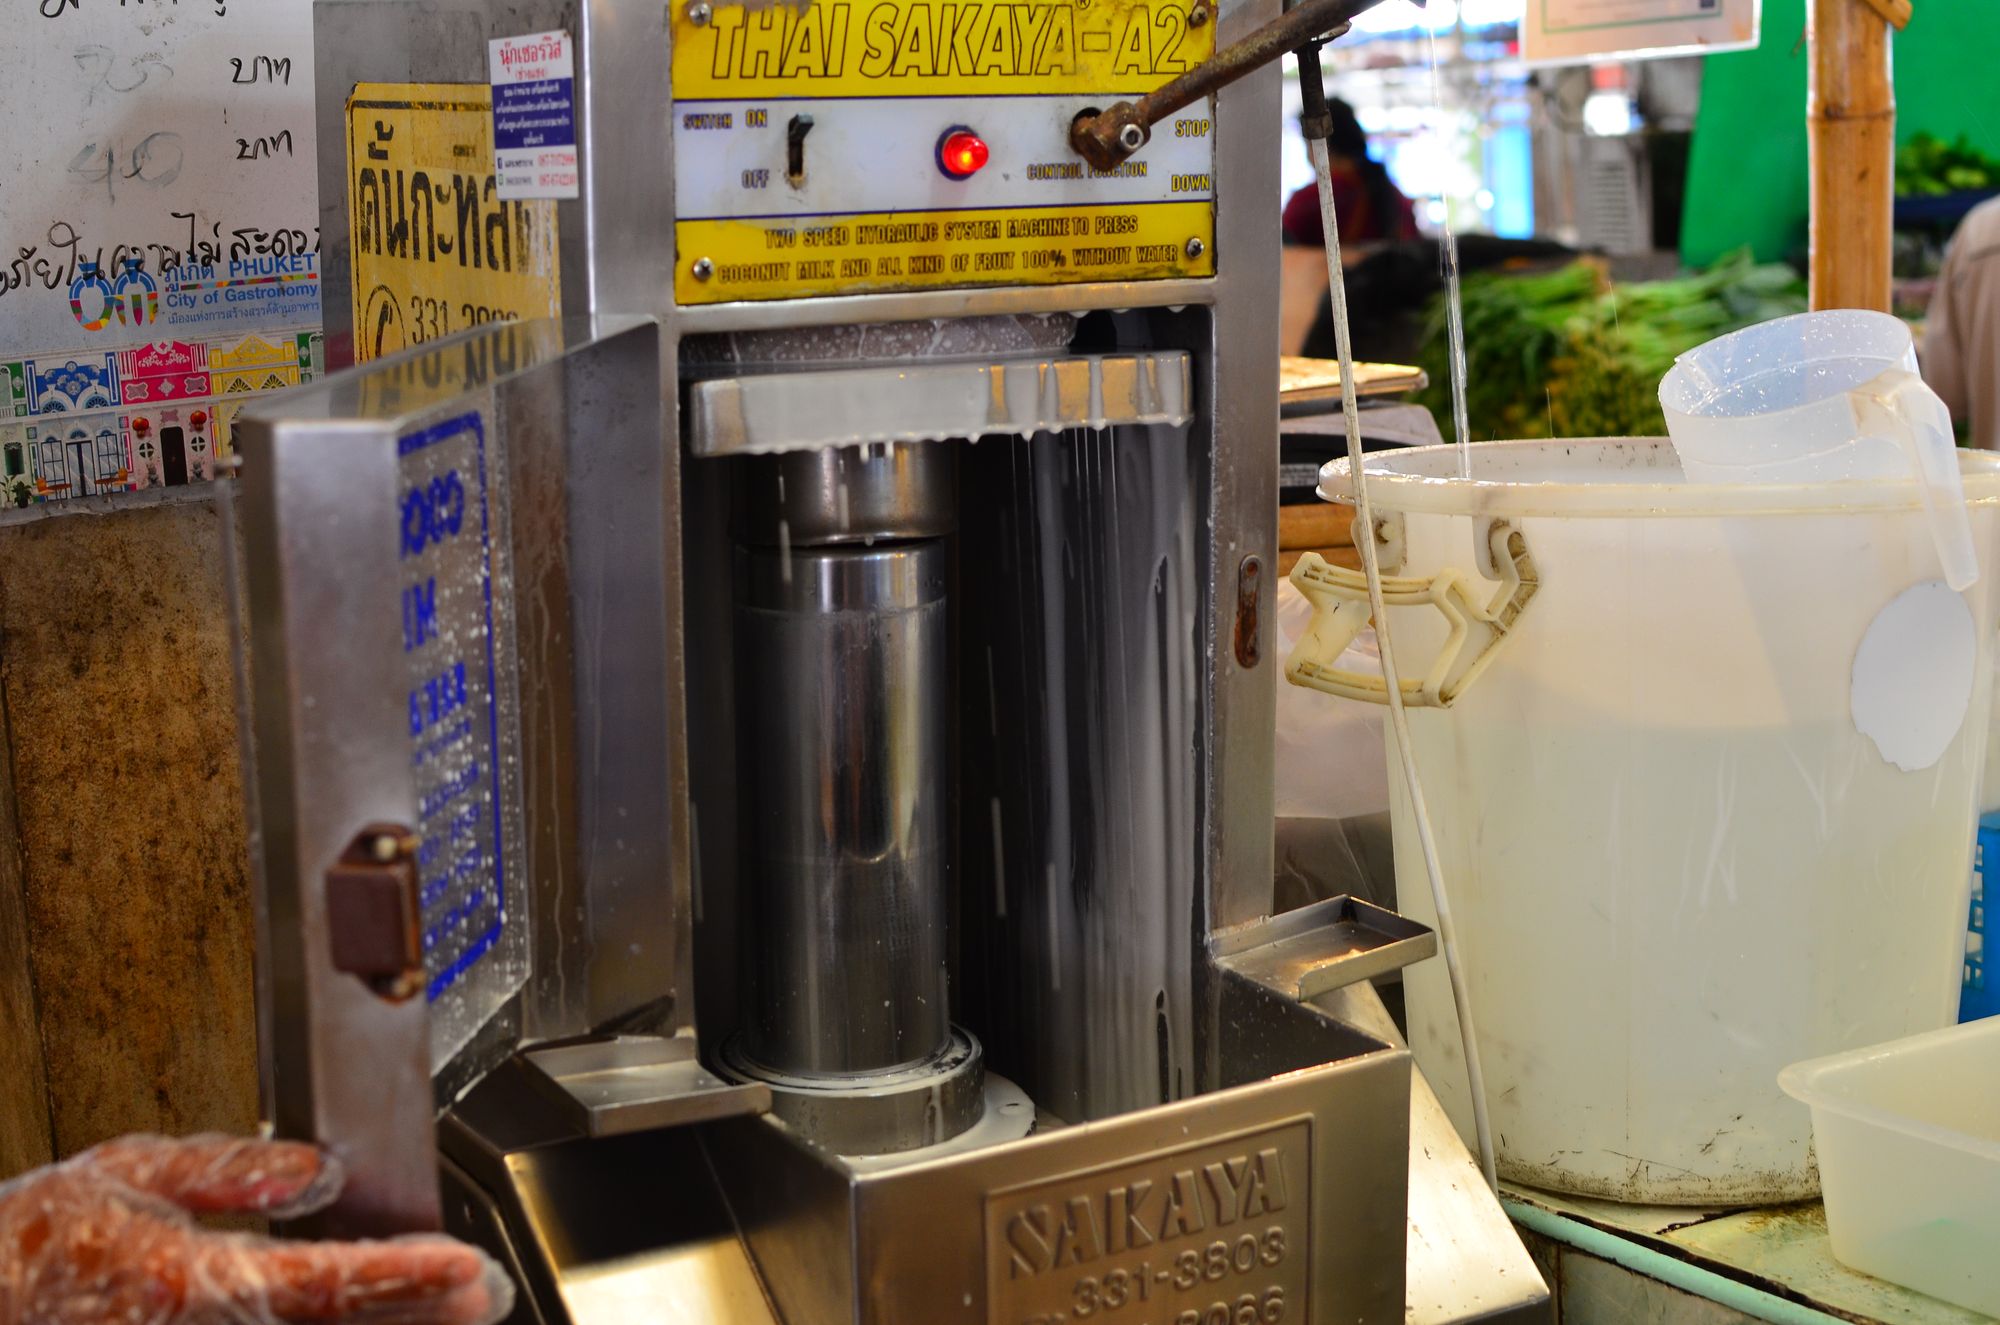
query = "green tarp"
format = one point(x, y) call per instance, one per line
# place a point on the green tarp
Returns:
point(1747, 171)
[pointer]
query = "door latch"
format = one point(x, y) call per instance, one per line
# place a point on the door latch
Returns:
point(373, 912)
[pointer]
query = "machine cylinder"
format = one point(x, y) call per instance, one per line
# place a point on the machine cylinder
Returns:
point(843, 701)
point(846, 495)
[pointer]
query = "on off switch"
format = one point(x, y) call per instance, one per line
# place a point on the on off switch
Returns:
point(961, 153)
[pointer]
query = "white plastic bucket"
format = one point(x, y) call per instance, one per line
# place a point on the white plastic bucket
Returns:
point(1697, 820)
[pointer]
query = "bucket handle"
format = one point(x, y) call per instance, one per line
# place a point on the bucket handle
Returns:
point(1339, 599)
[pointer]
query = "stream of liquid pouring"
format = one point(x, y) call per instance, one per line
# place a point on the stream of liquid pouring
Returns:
point(1454, 308)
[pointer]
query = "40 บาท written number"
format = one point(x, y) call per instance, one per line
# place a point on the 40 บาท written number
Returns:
point(1221, 1260)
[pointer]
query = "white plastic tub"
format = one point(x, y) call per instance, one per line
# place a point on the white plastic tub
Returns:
point(1677, 860)
point(1908, 1135)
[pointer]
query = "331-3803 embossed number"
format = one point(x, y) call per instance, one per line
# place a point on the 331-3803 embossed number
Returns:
point(1188, 1269)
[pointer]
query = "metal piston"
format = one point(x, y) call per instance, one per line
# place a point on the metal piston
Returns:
point(843, 671)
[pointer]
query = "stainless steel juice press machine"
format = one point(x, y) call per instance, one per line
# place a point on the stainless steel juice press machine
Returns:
point(761, 680)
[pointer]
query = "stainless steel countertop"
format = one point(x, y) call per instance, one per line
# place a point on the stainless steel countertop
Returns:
point(1464, 1260)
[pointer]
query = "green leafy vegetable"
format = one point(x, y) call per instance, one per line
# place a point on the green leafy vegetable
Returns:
point(1569, 353)
point(1926, 166)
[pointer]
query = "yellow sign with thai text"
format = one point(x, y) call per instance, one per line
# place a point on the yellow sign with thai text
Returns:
point(828, 147)
point(752, 260)
point(434, 249)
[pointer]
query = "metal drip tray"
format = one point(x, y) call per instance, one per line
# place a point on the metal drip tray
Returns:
point(1316, 949)
point(629, 1083)
point(918, 401)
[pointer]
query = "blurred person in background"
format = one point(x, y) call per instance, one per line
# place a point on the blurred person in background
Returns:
point(1372, 210)
point(1961, 349)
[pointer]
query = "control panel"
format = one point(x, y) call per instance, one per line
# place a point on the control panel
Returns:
point(875, 145)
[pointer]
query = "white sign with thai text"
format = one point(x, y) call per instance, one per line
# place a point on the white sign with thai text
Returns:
point(1576, 31)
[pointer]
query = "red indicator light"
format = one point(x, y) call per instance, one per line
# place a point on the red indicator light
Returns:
point(961, 153)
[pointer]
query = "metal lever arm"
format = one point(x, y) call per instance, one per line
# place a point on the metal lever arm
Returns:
point(1106, 137)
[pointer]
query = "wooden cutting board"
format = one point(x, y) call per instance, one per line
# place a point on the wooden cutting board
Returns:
point(1315, 381)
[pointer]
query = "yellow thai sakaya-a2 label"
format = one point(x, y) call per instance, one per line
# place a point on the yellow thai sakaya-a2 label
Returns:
point(884, 48)
point(434, 249)
point(810, 146)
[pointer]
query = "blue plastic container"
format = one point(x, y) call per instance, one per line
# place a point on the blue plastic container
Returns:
point(1981, 995)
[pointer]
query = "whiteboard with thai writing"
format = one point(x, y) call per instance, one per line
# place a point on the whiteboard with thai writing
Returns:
point(157, 182)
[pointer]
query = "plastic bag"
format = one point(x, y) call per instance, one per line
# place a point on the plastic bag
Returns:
point(109, 1236)
point(1331, 762)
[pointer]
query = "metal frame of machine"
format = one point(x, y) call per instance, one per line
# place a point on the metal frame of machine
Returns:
point(586, 1132)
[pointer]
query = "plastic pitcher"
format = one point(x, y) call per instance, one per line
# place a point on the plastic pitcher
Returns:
point(1702, 760)
point(1818, 397)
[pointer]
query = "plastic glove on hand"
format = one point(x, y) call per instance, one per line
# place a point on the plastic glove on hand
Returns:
point(108, 1238)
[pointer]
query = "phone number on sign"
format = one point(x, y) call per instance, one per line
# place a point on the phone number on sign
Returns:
point(1101, 1294)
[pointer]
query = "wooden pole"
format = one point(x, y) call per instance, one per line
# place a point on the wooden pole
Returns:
point(1851, 126)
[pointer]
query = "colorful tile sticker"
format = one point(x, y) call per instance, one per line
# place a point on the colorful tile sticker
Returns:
point(171, 403)
point(17, 467)
point(84, 456)
point(172, 446)
point(13, 390)
point(59, 385)
point(52, 459)
point(77, 423)
point(223, 413)
point(167, 370)
point(256, 364)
